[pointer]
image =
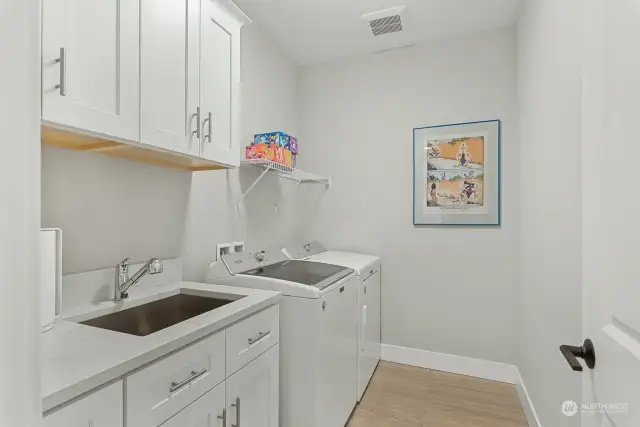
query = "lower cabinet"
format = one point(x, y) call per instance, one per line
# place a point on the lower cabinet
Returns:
point(190, 388)
point(208, 411)
point(253, 392)
point(102, 408)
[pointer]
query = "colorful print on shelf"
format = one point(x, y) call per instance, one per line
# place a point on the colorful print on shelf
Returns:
point(274, 146)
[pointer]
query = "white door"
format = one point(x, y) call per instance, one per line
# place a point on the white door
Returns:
point(370, 347)
point(169, 44)
point(611, 287)
point(207, 411)
point(103, 408)
point(90, 66)
point(219, 78)
point(338, 355)
point(253, 392)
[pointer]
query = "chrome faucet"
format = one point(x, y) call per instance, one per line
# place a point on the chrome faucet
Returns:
point(122, 280)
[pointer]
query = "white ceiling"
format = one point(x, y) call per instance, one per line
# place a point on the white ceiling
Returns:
point(313, 31)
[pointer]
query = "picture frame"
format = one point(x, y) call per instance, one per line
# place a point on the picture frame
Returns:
point(456, 174)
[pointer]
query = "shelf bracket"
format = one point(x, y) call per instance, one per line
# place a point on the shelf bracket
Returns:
point(252, 186)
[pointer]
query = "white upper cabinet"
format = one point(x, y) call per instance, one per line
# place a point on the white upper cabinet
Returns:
point(90, 65)
point(169, 49)
point(151, 80)
point(220, 80)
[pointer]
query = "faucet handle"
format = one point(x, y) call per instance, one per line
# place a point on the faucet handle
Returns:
point(122, 270)
point(124, 264)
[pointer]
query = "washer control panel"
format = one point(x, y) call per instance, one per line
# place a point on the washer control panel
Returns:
point(246, 261)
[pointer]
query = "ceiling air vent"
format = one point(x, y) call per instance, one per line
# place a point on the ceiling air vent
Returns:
point(385, 21)
point(390, 24)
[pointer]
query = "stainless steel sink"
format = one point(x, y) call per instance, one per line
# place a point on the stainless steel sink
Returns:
point(148, 318)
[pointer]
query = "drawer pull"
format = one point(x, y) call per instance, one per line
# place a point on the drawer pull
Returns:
point(260, 336)
point(62, 60)
point(237, 406)
point(177, 386)
point(196, 116)
point(223, 417)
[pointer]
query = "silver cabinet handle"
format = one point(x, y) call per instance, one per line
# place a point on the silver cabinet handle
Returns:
point(62, 60)
point(207, 137)
point(260, 335)
point(197, 117)
point(223, 417)
point(237, 406)
point(177, 386)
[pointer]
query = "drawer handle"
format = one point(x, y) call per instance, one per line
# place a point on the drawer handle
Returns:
point(177, 386)
point(237, 406)
point(207, 137)
point(223, 417)
point(62, 60)
point(260, 336)
point(196, 116)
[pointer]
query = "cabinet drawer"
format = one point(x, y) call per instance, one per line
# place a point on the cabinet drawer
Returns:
point(160, 390)
point(251, 337)
point(102, 408)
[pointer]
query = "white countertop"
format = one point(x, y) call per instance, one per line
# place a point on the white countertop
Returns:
point(78, 358)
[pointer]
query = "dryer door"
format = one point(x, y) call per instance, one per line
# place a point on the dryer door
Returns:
point(338, 355)
point(370, 348)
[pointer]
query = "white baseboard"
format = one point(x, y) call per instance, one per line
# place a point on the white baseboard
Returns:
point(527, 404)
point(477, 368)
point(468, 366)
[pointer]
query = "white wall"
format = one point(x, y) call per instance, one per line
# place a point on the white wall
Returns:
point(550, 116)
point(20, 401)
point(269, 80)
point(449, 290)
point(112, 208)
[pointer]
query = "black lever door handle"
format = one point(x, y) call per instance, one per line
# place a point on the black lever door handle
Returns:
point(587, 352)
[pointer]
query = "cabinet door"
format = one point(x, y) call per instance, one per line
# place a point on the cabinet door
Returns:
point(103, 408)
point(219, 83)
point(208, 411)
point(370, 349)
point(170, 31)
point(90, 66)
point(253, 392)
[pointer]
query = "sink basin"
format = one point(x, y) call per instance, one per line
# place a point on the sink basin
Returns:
point(148, 318)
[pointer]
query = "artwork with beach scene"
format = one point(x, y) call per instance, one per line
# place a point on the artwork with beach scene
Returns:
point(457, 174)
point(454, 172)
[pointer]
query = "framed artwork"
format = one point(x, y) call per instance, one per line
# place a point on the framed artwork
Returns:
point(456, 174)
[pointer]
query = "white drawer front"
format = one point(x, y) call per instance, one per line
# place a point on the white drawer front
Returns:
point(159, 391)
point(251, 337)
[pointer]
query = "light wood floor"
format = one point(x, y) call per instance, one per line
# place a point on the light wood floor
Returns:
point(405, 396)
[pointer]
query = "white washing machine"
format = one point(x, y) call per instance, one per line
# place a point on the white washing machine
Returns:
point(318, 332)
point(367, 268)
